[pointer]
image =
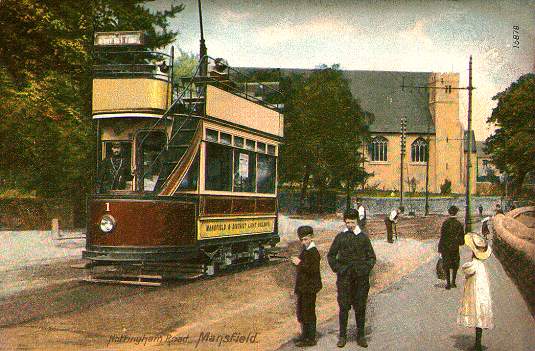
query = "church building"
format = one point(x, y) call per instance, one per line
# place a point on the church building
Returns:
point(432, 128)
point(428, 105)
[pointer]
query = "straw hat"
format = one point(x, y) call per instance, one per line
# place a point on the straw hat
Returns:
point(479, 246)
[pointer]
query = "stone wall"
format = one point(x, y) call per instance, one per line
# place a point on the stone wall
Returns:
point(289, 203)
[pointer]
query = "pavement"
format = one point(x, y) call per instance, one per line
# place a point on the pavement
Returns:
point(417, 313)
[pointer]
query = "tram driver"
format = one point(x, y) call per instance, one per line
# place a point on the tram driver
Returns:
point(114, 171)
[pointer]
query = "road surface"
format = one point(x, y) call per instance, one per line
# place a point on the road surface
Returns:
point(417, 313)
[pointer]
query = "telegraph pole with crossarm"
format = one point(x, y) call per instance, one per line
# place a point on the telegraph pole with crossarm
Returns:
point(449, 88)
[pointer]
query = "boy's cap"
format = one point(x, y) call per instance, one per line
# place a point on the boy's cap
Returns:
point(453, 210)
point(304, 230)
point(351, 214)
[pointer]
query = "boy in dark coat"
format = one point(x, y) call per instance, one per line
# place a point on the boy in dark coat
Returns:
point(451, 237)
point(352, 258)
point(307, 285)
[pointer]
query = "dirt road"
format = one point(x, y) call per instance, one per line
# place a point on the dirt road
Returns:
point(245, 310)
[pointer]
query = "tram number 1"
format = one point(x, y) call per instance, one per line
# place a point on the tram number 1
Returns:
point(107, 207)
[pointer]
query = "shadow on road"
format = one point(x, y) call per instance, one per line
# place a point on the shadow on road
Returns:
point(465, 342)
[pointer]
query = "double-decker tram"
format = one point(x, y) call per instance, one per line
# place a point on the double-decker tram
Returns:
point(187, 171)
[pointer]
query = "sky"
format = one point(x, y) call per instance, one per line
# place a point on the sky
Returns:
point(419, 36)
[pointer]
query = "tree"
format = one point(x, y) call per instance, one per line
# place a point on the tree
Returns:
point(512, 146)
point(46, 133)
point(324, 131)
point(185, 65)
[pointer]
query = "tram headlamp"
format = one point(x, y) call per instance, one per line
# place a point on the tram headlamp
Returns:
point(107, 223)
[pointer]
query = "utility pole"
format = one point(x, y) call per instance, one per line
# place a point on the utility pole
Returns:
point(448, 89)
point(428, 146)
point(402, 156)
point(467, 219)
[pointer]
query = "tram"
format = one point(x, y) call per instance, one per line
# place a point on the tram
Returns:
point(187, 170)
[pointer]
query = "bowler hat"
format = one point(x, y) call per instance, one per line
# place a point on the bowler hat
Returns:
point(479, 246)
point(453, 210)
point(304, 230)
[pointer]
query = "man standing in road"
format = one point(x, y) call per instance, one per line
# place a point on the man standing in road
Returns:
point(362, 214)
point(451, 237)
point(352, 258)
point(391, 222)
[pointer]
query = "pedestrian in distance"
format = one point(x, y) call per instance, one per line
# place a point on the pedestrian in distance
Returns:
point(362, 214)
point(391, 221)
point(498, 209)
point(307, 285)
point(480, 209)
point(451, 238)
point(352, 258)
point(476, 304)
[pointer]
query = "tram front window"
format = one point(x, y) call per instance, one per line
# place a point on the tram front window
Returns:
point(114, 172)
point(150, 145)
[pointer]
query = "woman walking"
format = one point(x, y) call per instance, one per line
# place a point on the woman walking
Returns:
point(476, 305)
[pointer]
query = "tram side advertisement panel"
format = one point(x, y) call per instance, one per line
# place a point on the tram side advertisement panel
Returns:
point(210, 228)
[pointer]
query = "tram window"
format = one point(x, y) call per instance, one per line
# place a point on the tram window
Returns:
point(211, 135)
point(190, 180)
point(238, 142)
point(250, 145)
point(271, 149)
point(150, 144)
point(244, 171)
point(226, 139)
point(261, 147)
point(265, 179)
point(115, 171)
point(218, 167)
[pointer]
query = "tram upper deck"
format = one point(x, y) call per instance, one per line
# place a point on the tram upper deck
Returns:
point(210, 134)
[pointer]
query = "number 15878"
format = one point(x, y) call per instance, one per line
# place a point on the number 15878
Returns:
point(516, 37)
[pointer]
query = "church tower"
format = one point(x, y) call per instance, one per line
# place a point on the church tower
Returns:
point(449, 155)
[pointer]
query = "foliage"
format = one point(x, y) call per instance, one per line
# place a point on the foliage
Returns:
point(185, 65)
point(445, 188)
point(413, 183)
point(512, 146)
point(324, 131)
point(46, 135)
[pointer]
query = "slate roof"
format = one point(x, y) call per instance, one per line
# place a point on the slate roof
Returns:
point(380, 93)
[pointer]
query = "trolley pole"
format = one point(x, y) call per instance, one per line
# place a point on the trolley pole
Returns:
point(402, 156)
point(467, 219)
point(202, 50)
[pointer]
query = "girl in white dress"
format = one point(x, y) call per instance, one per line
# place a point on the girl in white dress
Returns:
point(476, 305)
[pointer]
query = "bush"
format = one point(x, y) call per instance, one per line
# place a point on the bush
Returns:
point(445, 189)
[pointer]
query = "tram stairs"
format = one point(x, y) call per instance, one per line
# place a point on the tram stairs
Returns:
point(185, 113)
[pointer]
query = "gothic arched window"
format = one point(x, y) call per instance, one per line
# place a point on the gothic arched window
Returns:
point(419, 152)
point(378, 149)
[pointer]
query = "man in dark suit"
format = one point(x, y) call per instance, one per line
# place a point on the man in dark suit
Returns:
point(352, 258)
point(114, 171)
point(307, 285)
point(451, 237)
